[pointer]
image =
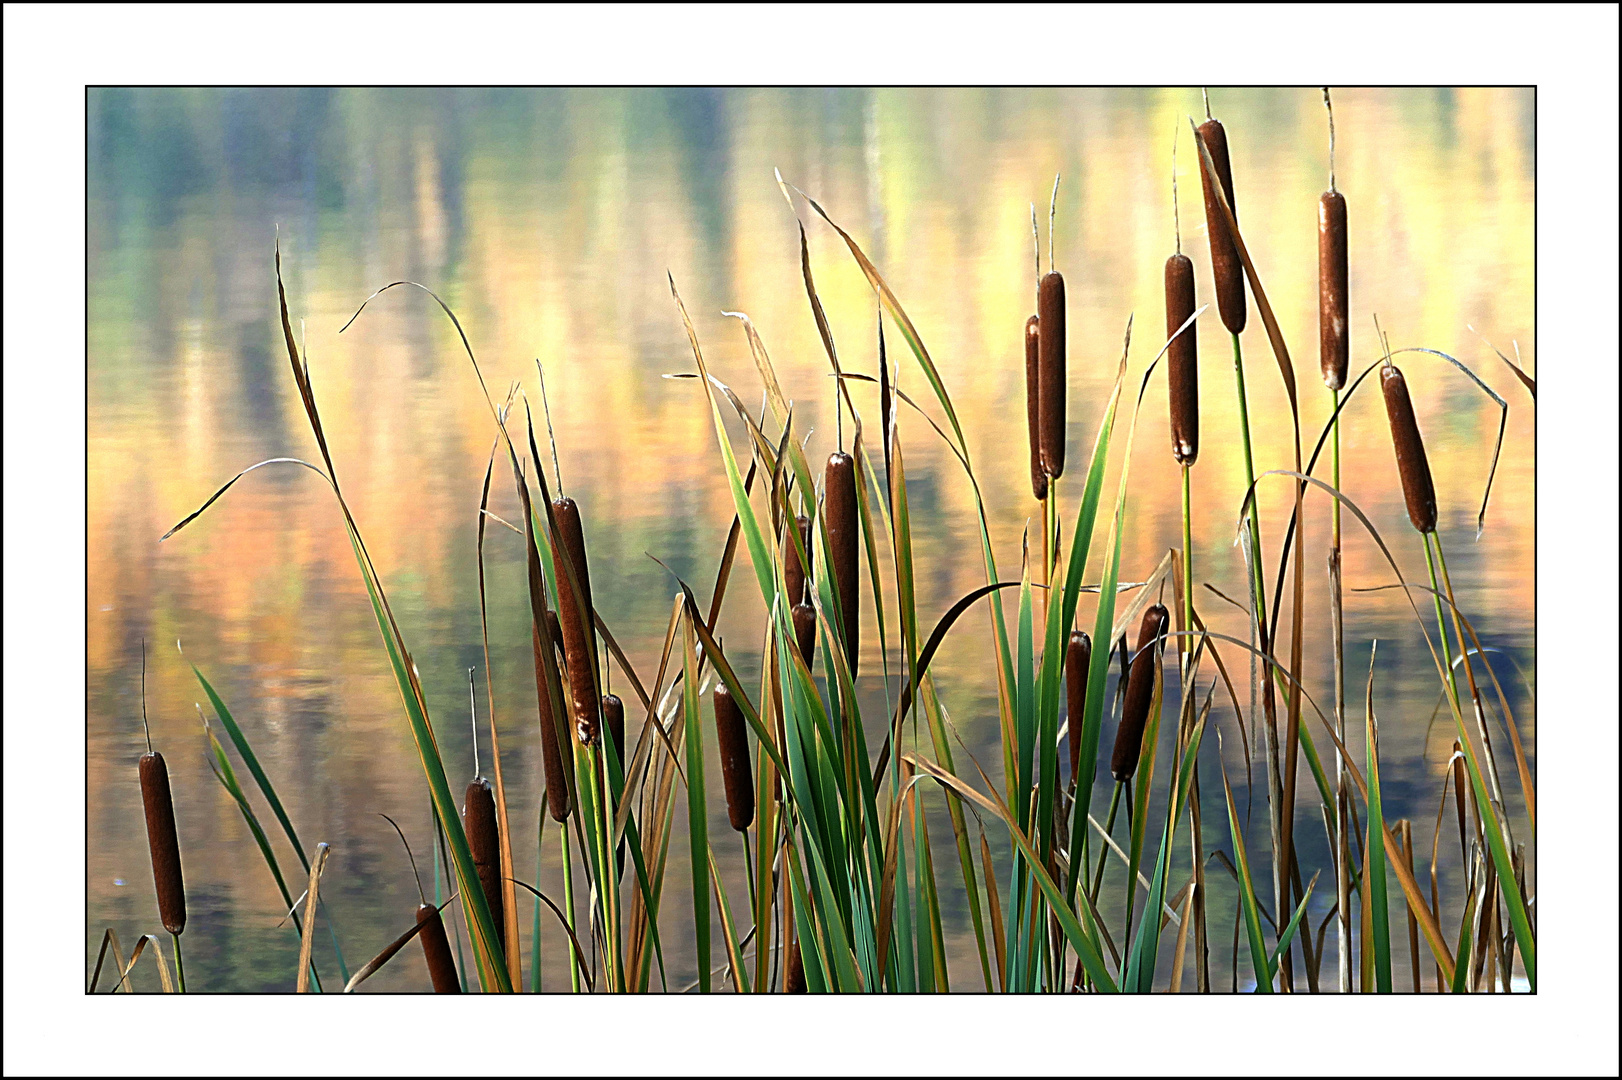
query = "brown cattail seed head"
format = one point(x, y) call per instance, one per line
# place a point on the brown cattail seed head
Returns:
point(839, 479)
point(1077, 657)
point(1412, 465)
point(614, 721)
point(1140, 688)
point(579, 630)
point(1182, 361)
point(796, 969)
point(805, 631)
point(1334, 329)
point(479, 820)
point(793, 570)
point(436, 950)
point(1050, 373)
point(1033, 395)
point(162, 839)
point(557, 782)
point(1226, 270)
point(732, 735)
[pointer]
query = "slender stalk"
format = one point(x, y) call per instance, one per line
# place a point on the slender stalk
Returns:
point(1441, 619)
point(180, 966)
point(1103, 849)
point(1188, 574)
point(1275, 792)
point(568, 910)
point(1343, 876)
point(1469, 673)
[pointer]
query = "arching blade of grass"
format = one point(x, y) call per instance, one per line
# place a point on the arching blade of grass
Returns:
point(228, 780)
point(251, 760)
point(1247, 893)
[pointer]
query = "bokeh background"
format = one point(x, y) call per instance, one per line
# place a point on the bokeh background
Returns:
point(548, 221)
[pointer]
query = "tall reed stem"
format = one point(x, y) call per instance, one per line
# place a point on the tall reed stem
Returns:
point(1441, 619)
point(568, 909)
point(1343, 877)
point(1259, 604)
point(180, 965)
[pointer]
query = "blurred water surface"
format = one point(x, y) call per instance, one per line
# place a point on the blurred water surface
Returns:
point(548, 221)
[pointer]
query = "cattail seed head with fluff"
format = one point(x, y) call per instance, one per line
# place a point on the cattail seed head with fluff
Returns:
point(1412, 465)
point(794, 571)
point(732, 736)
point(1334, 327)
point(1139, 696)
point(1182, 361)
point(163, 841)
point(1051, 372)
point(1227, 272)
point(483, 839)
point(614, 722)
point(839, 480)
point(1077, 657)
point(1033, 396)
point(436, 950)
point(579, 629)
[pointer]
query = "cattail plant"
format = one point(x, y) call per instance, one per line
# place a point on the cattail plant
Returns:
point(1334, 354)
point(805, 631)
point(483, 838)
point(1139, 695)
point(1226, 271)
point(796, 573)
point(163, 841)
point(575, 615)
point(839, 479)
point(1050, 375)
point(544, 638)
point(1412, 466)
point(794, 980)
point(161, 837)
point(1033, 418)
point(1182, 361)
point(436, 950)
point(732, 737)
point(1077, 657)
point(1182, 382)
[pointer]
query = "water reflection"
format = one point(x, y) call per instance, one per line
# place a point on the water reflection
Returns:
point(548, 220)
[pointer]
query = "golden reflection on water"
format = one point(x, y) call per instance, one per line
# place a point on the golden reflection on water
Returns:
point(548, 221)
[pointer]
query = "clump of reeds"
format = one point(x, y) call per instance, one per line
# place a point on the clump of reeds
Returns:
point(839, 479)
point(732, 736)
point(1139, 696)
point(1412, 466)
point(1077, 657)
point(1033, 396)
point(1226, 270)
point(436, 950)
point(163, 841)
point(579, 633)
point(484, 839)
